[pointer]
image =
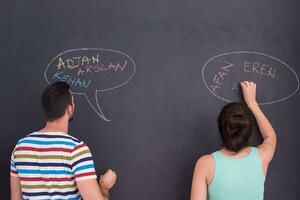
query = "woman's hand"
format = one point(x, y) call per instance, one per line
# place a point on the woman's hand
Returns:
point(249, 92)
point(267, 148)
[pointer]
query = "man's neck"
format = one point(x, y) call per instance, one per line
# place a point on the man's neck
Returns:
point(59, 125)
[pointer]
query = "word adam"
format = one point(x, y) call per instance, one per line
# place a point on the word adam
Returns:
point(77, 61)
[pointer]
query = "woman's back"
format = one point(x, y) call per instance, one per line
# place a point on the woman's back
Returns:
point(237, 179)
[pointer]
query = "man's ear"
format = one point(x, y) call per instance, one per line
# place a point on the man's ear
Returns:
point(69, 109)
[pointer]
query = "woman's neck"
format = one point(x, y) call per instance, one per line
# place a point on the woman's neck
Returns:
point(242, 153)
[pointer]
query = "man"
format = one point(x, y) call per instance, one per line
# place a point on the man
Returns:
point(50, 164)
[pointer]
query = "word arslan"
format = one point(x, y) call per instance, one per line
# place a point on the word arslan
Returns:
point(220, 75)
point(89, 69)
point(73, 81)
point(78, 61)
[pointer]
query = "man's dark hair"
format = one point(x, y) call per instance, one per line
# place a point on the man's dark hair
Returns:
point(235, 126)
point(55, 99)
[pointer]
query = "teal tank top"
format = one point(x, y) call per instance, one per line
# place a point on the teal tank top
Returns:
point(237, 179)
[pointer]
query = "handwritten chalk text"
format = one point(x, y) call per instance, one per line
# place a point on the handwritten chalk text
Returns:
point(89, 69)
point(262, 69)
point(78, 61)
point(73, 81)
point(220, 75)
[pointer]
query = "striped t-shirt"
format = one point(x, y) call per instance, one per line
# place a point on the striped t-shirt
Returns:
point(49, 164)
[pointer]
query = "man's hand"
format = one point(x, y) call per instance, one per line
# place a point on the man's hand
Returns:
point(90, 189)
point(107, 181)
point(15, 188)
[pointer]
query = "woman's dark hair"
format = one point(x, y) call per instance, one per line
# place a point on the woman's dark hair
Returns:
point(235, 126)
point(55, 99)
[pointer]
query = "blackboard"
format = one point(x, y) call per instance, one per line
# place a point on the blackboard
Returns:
point(159, 72)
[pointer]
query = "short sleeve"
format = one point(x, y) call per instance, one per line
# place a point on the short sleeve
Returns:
point(13, 169)
point(82, 163)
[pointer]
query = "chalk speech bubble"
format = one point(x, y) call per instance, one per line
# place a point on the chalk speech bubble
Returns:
point(276, 80)
point(91, 70)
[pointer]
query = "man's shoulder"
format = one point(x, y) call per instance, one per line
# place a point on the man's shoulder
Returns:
point(49, 137)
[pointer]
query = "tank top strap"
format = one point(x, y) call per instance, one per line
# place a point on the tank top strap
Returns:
point(217, 156)
point(254, 155)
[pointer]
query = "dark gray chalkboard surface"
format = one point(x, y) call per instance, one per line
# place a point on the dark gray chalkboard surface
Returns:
point(149, 79)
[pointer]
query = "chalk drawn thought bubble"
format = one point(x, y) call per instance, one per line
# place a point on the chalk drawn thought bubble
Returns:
point(91, 70)
point(276, 80)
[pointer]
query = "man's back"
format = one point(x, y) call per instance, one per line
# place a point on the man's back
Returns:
point(49, 164)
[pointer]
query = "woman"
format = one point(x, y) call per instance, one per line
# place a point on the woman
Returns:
point(237, 171)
